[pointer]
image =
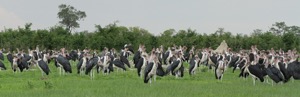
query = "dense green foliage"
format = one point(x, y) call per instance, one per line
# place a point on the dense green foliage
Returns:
point(114, 36)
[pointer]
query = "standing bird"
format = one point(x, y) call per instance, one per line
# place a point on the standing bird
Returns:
point(234, 60)
point(63, 64)
point(105, 61)
point(141, 64)
point(168, 56)
point(117, 62)
point(10, 58)
point(219, 71)
point(43, 67)
point(274, 72)
point(93, 62)
point(111, 56)
point(160, 71)
point(193, 64)
point(212, 60)
point(176, 67)
point(123, 57)
point(150, 72)
point(204, 57)
point(293, 70)
point(23, 64)
point(81, 65)
point(136, 58)
point(256, 71)
point(283, 68)
point(15, 62)
point(150, 69)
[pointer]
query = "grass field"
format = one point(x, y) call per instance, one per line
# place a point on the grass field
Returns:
point(128, 84)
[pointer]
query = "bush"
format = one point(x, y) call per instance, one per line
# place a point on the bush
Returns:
point(48, 85)
point(30, 85)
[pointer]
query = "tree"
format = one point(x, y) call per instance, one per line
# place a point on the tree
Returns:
point(220, 31)
point(69, 16)
point(166, 38)
point(256, 32)
point(279, 28)
point(290, 40)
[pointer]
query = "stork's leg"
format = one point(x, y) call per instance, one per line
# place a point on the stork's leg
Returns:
point(253, 80)
point(94, 74)
point(244, 75)
point(141, 73)
point(222, 77)
point(80, 71)
point(59, 70)
point(64, 72)
point(104, 69)
point(107, 71)
point(42, 74)
point(73, 63)
point(267, 80)
point(208, 68)
point(154, 77)
point(194, 72)
point(91, 75)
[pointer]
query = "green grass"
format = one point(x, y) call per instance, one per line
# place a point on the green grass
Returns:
point(128, 84)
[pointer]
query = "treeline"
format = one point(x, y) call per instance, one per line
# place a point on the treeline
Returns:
point(114, 36)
